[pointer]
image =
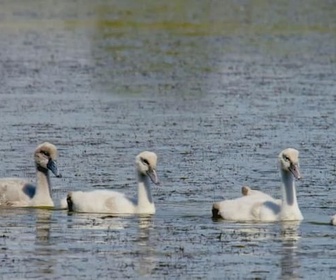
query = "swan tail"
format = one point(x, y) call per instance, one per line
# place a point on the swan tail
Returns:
point(215, 210)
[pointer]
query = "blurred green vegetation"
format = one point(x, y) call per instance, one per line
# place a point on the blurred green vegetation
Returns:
point(190, 17)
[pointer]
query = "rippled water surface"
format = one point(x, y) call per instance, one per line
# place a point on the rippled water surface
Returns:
point(217, 89)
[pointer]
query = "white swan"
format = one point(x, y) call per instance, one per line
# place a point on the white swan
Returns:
point(262, 207)
point(106, 201)
point(333, 220)
point(20, 193)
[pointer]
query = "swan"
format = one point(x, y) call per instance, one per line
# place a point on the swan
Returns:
point(262, 207)
point(333, 220)
point(106, 201)
point(16, 192)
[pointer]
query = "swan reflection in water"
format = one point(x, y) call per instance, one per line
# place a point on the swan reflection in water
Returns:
point(42, 230)
point(126, 235)
point(147, 259)
point(45, 260)
point(290, 263)
point(278, 241)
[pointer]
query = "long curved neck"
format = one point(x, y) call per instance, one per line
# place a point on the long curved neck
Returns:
point(42, 195)
point(144, 192)
point(289, 191)
point(290, 206)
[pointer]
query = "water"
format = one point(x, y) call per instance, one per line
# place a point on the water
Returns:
point(216, 90)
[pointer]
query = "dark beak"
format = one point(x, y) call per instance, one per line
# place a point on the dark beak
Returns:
point(52, 166)
point(153, 176)
point(294, 169)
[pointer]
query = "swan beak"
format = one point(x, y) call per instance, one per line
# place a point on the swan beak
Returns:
point(153, 176)
point(52, 166)
point(294, 169)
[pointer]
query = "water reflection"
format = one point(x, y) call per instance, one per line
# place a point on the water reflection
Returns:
point(97, 222)
point(290, 263)
point(43, 222)
point(26, 243)
point(115, 236)
point(44, 260)
point(147, 260)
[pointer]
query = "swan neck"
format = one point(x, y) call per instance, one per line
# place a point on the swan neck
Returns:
point(144, 190)
point(289, 191)
point(42, 184)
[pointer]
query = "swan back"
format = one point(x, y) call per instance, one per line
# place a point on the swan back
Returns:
point(247, 191)
point(100, 201)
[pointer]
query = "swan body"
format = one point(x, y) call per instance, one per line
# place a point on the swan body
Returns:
point(106, 201)
point(258, 206)
point(21, 193)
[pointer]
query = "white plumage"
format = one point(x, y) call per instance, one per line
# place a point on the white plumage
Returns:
point(20, 193)
point(105, 201)
point(258, 206)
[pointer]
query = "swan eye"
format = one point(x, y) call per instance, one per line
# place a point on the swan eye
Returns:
point(145, 161)
point(286, 158)
point(45, 153)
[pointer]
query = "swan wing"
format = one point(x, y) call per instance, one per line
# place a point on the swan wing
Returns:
point(240, 209)
point(16, 192)
point(268, 210)
point(119, 203)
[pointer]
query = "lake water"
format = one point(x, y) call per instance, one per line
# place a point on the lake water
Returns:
point(217, 89)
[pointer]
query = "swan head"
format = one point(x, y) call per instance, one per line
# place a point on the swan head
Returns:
point(289, 162)
point(146, 165)
point(45, 157)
